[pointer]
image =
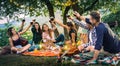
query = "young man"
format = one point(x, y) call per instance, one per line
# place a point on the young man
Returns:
point(105, 37)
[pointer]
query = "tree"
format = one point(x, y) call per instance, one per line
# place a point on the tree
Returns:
point(113, 20)
point(65, 20)
point(51, 13)
point(85, 6)
point(3, 35)
point(36, 7)
point(43, 7)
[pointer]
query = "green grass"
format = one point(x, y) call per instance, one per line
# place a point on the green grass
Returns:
point(19, 60)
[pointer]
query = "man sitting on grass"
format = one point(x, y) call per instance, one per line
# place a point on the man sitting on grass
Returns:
point(105, 36)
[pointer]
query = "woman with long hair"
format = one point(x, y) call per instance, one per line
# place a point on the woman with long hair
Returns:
point(15, 41)
point(37, 33)
point(71, 30)
point(48, 35)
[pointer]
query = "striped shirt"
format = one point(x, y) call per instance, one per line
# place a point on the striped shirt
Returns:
point(92, 37)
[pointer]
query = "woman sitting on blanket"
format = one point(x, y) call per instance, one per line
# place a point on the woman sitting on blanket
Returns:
point(15, 41)
point(37, 32)
point(48, 37)
point(71, 29)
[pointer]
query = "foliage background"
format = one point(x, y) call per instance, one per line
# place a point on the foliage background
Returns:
point(9, 8)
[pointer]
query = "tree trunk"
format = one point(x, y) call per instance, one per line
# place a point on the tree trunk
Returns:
point(51, 13)
point(50, 8)
point(65, 21)
point(76, 7)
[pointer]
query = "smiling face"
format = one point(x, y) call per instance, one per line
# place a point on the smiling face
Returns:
point(36, 26)
point(92, 20)
point(13, 31)
point(45, 27)
point(95, 18)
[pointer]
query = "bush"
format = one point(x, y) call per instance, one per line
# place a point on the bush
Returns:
point(3, 37)
point(112, 17)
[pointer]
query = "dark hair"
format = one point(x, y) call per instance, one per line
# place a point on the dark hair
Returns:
point(95, 15)
point(49, 30)
point(39, 29)
point(71, 25)
point(88, 21)
point(9, 31)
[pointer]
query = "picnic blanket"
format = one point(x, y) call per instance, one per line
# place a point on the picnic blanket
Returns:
point(42, 53)
point(82, 58)
point(47, 53)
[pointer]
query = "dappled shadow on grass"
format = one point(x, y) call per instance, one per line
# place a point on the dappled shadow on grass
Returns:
point(18, 60)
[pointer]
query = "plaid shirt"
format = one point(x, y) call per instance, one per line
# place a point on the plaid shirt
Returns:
point(93, 33)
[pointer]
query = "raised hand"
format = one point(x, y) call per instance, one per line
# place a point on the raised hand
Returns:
point(69, 17)
point(33, 20)
point(76, 14)
point(51, 19)
point(31, 23)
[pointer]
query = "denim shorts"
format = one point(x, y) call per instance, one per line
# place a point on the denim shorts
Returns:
point(18, 46)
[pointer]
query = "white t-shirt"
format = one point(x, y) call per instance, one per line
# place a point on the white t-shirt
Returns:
point(46, 36)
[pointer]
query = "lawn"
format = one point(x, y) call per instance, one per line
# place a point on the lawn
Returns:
point(19, 60)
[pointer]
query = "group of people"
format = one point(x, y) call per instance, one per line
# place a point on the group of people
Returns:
point(46, 35)
point(100, 36)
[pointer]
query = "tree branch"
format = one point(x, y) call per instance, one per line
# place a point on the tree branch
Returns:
point(91, 6)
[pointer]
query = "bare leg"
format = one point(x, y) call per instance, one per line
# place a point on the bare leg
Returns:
point(14, 49)
point(24, 48)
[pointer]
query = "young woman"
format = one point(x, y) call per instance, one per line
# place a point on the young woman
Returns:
point(71, 29)
point(37, 33)
point(15, 41)
point(48, 35)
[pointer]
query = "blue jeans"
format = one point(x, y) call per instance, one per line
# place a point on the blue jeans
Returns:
point(60, 40)
point(33, 47)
